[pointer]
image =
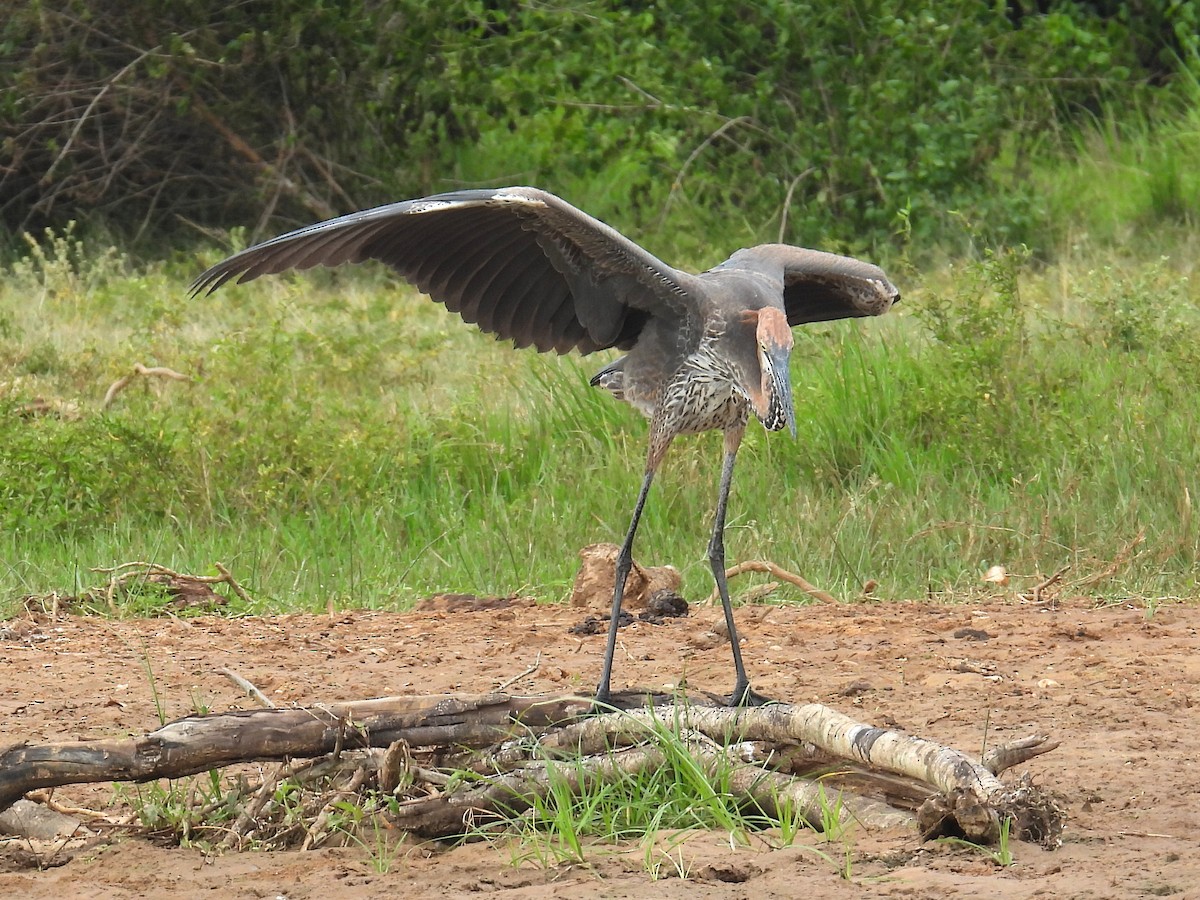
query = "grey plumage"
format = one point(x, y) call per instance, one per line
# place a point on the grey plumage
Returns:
point(703, 351)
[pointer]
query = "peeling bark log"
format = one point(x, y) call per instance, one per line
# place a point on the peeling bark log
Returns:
point(969, 802)
point(445, 815)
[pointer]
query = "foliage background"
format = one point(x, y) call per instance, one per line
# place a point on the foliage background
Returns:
point(813, 122)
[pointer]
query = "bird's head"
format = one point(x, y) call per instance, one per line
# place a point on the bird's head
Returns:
point(772, 397)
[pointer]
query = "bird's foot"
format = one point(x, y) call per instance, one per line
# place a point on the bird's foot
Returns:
point(602, 703)
point(743, 696)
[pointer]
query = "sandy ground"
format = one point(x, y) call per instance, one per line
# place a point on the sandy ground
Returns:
point(1120, 689)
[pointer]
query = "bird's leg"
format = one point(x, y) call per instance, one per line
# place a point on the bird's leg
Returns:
point(742, 695)
point(624, 564)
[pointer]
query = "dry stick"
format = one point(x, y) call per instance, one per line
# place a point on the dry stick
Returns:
point(247, 686)
point(228, 578)
point(1035, 595)
point(46, 798)
point(1004, 757)
point(762, 565)
point(199, 743)
point(150, 570)
point(316, 832)
point(971, 802)
point(974, 796)
point(139, 371)
point(537, 662)
point(1150, 834)
point(249, 815)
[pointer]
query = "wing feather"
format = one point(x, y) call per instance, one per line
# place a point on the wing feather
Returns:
point(819, 286)
point(523, 263)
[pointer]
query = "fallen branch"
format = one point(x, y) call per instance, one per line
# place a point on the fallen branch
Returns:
point(762, 565)
point(979, 800)
point(448, 814)
point(189, 590)
point(1035, 596)
point(757, 750)
point(247, 686)
point(199, 743)
point(139, 371)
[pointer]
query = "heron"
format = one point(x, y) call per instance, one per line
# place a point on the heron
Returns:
point(702, 352)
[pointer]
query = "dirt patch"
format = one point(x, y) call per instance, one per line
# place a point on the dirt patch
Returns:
point(1119, 688)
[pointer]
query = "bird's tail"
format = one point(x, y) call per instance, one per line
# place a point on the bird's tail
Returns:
point(611, 378)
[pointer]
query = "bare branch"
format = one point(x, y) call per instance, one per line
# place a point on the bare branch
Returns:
point(139, 371)
point(762, 565)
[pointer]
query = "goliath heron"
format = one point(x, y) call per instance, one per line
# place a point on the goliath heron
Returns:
point(703, 351)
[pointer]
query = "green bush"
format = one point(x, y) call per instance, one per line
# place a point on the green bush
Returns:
point(71, 476)
point(819, 123)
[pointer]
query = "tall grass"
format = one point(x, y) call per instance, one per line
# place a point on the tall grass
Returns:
point(344, 440)
point(1129, 182)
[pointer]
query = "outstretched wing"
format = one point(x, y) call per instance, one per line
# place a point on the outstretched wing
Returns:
point(818, 286)
point(520, 263)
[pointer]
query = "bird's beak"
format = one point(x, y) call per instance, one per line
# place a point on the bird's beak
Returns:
point(780, 411)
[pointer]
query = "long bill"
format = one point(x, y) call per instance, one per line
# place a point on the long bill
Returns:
point(780, 409)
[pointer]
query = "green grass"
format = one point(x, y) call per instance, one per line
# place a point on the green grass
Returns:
point(344, 440)
point(1129, 183)
point(585, 814)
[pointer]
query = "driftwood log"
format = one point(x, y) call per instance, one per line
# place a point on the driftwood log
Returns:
point(883, 778)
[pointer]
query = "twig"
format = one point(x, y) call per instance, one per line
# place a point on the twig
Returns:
point(228, 578)
point(762, 565)
point(66, 147)
point(998, 759)
point(247, 686)
point(655, 103)
point(316, 832)
point(787, 201)
point(139, 370)
point(1036, 594)
point(1123, 557)
point(46, 798)
point(677, 184)
point(153, 571)
point(242, 826)
point(1150, 834)
point(537, 662)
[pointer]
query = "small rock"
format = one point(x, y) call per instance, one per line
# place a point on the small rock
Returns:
point(972, 634)
point(664, 604)
point(32, 820)
point(599, 624)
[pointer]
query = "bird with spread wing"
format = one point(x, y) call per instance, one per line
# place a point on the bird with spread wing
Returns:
point(702, 352)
